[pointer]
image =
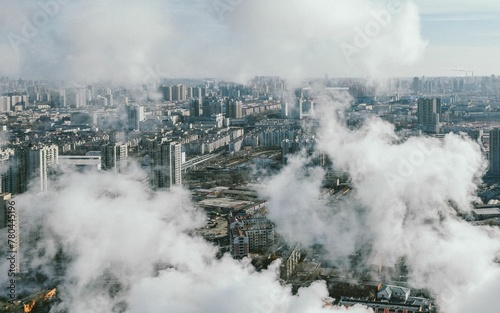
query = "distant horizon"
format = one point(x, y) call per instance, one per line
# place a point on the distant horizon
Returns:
point(365, 157)
point(344, 39)
point(222, 79)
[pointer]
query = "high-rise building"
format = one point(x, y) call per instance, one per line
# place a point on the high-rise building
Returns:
point(196, 107)
point(428, 114)
point(416, 85)
point(29, 167)
point(166, 92)
point(6, 155)
point(179, 93)
point(114, 157)
point(207, 107)
point(274, 137)
point(296, 110)
point(284, 110)
point(213, 106)
point(109, 98)
point(189, 92)
point(234, 108)
point(19, 100)
point(286, 150)
point(58, 98)
point(495, 152)
point(307, 108)
point(39, 159)
point(76, 98)
point(135, 115)
point(429, 86)
point(199, 92)
point(80, 98)
point(166, 164)
point(5, 104)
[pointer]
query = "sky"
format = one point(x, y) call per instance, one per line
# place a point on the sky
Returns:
point(461, 34)
point(130, 42)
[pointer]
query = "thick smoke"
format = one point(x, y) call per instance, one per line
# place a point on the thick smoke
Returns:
point(407, 199)
point(122, 248)
point(128, 41)
point(113, 246)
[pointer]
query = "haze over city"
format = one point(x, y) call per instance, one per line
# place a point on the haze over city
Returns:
point(120, 40)
point(254, 156)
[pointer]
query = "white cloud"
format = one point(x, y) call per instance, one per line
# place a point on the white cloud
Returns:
point(129, 250)
point(403, 204)
point(118, 40)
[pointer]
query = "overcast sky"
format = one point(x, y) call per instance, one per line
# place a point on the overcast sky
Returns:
point(238, 39)
point(461, 34)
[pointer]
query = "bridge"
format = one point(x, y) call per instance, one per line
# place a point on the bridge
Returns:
point(198, 160)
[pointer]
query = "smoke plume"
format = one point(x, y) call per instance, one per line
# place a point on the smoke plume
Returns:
point(113, 246)
point(130, 42)
point(407, 201)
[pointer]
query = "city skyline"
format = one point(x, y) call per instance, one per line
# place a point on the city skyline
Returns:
point(261, 156)
point(188, 183)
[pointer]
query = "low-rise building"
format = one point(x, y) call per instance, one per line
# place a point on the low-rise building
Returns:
point(385, 307)
point(238, 239)
point(290, 256)
point(260, 232)
point(486, 212)
point(393, 293)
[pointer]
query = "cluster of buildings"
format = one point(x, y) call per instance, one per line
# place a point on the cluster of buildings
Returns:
point(46, 126)
point(248, 229)
point(13, 101)
point(104, 128)
point(216, 139)
point(250, 233)
point(301, 107)
point(392, 299)
point(31, 166)
point(26, 167)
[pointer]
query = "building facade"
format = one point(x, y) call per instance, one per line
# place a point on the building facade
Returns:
point(428, 114)
point(29, 167)
point(238, 239)
point(234, 108)
point(166, 159)
point(135, 115)
point(114, 157)
point(494, 157)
